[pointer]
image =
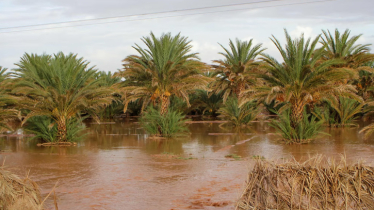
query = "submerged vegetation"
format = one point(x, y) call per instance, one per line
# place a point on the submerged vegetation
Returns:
point(303, 132)
point(238, 116)
point(44, 129)
point(327, 80)
point(169, 124)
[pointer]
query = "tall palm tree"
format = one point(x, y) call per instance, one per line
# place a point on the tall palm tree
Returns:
point(302, 78)
point(116, 107)
point(165, 68)
point(60, 87)
point(356, 57)
point(236, 70)
point(344, 47)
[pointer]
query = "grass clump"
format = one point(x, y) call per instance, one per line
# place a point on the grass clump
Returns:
point(302, 132)
point(258, 157)
point(186, 158)
point(170, 124)
point(318, 183)
point(235, 156)
point(45, 129)
point(238, 116)
point(17, 193)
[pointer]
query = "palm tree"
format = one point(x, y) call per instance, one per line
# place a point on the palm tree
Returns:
point(116, 107)
point(303, 78)
point(165, 68)
point(341, 46)
point(236, 71)
point(6, 113)
point(60, 87)
point(210, 103)
point(356, 56)
point(365, 83)
point(3, 75)
point(108, 78)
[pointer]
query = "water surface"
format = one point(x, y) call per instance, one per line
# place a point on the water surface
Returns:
point(118, 167)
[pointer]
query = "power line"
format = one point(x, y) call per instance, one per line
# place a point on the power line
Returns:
point(170, 16)
point(143, 14)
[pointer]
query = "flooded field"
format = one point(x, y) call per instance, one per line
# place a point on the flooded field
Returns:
point(117, 167)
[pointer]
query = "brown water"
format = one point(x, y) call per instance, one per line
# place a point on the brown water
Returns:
point(117, 167)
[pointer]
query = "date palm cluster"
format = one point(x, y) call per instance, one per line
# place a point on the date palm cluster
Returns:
point(324, 81)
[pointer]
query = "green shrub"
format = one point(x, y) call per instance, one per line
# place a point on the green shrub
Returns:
point(179, 105)
point(112, 110)
point(238, 116)
point(168, 125)
point(45, 129)
point(208, 103)
point(75, 130)
point(273, 107)
point(339, 113)
point(303, 132)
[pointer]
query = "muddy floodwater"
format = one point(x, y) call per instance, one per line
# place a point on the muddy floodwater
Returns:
point(117, 167)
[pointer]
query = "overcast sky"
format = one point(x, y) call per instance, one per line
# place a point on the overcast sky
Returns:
point(105, 45)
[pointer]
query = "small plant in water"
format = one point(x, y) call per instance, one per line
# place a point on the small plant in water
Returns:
point(186, 158)
point(238, 116)
point(235, 156)
point(45, 129)
point(302, 132)
point(170, 124)
point(258, 157)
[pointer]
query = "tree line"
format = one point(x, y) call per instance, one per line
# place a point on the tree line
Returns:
point(324, 81)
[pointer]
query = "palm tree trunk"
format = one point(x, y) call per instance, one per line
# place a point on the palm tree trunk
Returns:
point(164, 104)
point(164, 109)
point(239, 89)
point(297, 112)
point(61, 130)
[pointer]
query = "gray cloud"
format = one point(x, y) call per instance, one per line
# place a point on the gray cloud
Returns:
point(106, 45)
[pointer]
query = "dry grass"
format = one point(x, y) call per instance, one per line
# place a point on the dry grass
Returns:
point(17, 193)
point(20, 194)
point(318, 183)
